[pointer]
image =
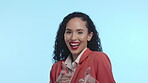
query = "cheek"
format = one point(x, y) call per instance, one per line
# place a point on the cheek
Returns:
point(66, 38)
point(83, 38)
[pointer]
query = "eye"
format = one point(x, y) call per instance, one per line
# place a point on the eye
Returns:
point(68, 32)
point(80, 32)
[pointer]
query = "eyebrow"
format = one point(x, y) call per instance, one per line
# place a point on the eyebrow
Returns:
point(76, 30)
point(68, 29)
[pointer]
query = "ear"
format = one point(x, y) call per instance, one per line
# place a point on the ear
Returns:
point(90, 35)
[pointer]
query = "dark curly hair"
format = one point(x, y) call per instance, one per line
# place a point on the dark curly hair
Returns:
point(61, 51)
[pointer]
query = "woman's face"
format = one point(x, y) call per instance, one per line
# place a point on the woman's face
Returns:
point(76, 36)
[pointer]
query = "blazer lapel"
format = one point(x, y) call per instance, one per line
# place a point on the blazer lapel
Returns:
point(84, 56)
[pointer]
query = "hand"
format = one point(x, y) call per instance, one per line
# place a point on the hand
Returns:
point(64, 77)
point(88, 78)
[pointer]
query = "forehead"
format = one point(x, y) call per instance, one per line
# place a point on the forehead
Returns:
point(76, 23)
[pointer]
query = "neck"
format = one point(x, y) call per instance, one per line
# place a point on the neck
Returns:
point(73, 57)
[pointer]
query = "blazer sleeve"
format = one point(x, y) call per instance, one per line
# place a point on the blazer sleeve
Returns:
point(52, 76)
point(103, 69)
point(55, 71)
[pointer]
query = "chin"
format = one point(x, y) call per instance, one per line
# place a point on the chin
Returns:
point(75, 52)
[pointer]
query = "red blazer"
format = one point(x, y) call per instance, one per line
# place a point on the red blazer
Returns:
point(100, 68)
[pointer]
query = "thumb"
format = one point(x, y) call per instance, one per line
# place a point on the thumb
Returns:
point(63, 69)
point(63, 66)
point(87, 71)
point(63, 72)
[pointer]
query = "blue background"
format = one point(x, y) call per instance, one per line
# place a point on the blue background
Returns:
point(28, 29)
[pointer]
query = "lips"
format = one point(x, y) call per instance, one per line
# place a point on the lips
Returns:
point(74, 45)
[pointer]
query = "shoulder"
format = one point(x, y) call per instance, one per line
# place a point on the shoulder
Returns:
point(56, 68)
point(99, 56)
point(57, 64)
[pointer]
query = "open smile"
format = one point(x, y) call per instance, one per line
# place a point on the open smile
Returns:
point(74, 45)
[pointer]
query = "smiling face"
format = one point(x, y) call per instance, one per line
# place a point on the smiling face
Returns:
point(76, 36)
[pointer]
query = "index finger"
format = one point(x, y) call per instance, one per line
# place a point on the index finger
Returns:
point(87, 71)
point(67, 75)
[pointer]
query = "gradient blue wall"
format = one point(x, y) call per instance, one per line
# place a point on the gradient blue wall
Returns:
point(28, 29)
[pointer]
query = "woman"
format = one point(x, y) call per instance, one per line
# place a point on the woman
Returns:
point(78, 53)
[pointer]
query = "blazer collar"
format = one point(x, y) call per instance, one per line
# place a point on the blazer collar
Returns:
point(85, 55)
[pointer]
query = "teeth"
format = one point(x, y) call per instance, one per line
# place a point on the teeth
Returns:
point(74, 44)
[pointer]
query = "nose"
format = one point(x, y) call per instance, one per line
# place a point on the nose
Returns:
point(73, 37)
